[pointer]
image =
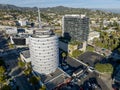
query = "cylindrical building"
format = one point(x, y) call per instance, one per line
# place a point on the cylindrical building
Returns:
point(44, 52)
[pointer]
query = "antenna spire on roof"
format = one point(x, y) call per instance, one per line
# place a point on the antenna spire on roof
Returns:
point(39, 18)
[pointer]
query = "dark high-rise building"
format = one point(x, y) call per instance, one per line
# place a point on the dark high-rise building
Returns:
point(75, 27)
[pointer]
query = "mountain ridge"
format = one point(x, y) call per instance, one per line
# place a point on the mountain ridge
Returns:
point(57, 8)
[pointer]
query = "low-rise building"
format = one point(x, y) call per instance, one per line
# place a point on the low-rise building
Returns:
point(22, 22)
point(77, 72)
point(54, 80)
point(20, 39)
point(25, 56)
point(11, 30)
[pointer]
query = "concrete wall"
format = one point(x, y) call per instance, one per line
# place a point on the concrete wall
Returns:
point(63, 46)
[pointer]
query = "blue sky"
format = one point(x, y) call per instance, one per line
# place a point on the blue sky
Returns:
point(69, 3)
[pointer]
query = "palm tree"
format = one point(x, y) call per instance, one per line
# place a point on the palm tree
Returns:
point(63, 56)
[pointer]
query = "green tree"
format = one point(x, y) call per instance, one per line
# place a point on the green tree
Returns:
point(104, 68)
point(28, 71)
point(43, 87)
point(21, 64)
point(63, 57)
point(76, 53)
point(2, 70)
point(6, 87)
point(90, 48)
point(2, 80)
point(34, 80)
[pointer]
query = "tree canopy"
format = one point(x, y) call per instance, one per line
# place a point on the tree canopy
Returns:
point(2, 70)
point(104, 68)
point(34, 80)
point(90, 48)
point(76, 53)
point(21, 64)
point(27, 71)
point(43, 87)
point(6, 87)
point(63, 54)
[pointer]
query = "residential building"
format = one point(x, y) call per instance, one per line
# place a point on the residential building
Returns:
point(44, 51)
point(75, 27)
point(22, 22)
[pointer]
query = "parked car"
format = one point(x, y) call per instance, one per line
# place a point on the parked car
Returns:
point(91, 69)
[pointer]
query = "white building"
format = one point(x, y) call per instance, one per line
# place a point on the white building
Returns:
point(44, 51)
point(29, 30)
point(11, 30)
point(22, 22)
point(92, 35)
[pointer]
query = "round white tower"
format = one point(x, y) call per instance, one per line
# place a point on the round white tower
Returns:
point(44, 52)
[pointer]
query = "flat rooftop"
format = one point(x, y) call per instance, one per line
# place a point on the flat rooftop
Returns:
point(91, 58)
point(73, 63)
point(26, 53)
point(21, 35)
point(54, 79)
point(75, 15)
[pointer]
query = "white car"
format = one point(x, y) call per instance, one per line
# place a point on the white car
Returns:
point(91, 69)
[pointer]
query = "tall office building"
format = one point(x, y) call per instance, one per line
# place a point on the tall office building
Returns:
point(76, 27)
point(44, 51)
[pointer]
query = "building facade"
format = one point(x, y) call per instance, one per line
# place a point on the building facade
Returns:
point(11, 30)
point(44, 52)
point(75, 27)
